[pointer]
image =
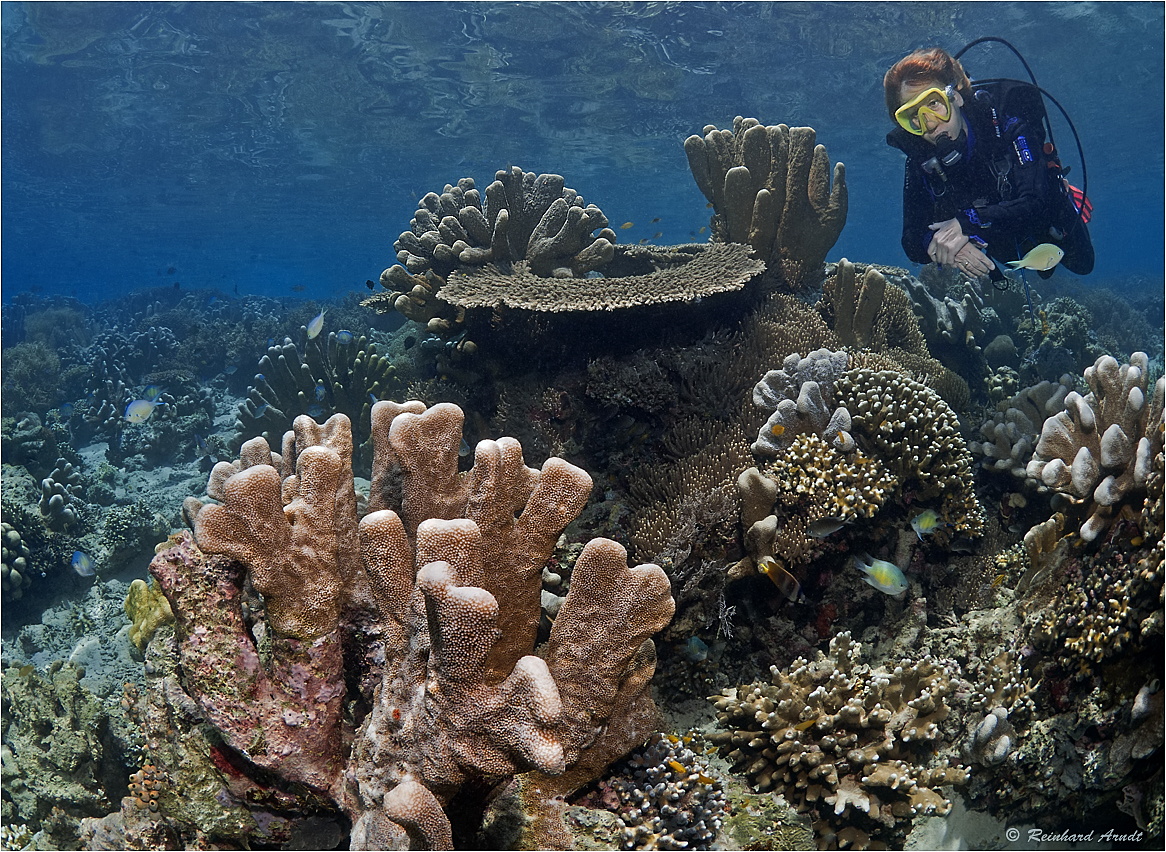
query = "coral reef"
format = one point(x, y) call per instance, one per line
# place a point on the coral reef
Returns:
point(770, 189)
point(916, 436)
point(451, 585)
point(1101, 446)
point(800, 397)
point(60, 503)
point(57, 764)
point(524, 217)
point(850, 744)
point(147, 609)
point(679, 274)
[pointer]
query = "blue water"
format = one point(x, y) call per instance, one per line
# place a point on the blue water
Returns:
point(270, 146)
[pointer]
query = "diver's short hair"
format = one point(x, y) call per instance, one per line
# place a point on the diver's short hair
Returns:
point(928, 65)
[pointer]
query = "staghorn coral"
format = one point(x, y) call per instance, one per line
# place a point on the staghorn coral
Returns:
point(849, 744)
point(770, 188)
point(1101, 446)
point(451, 584)
point(340, 375)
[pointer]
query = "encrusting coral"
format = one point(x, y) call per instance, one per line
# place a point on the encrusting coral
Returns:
point(771, 189)
point(1102, 445)
point(850, 744)
point(443, 575)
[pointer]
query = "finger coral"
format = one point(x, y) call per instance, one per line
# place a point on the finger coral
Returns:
point(771, 189)
point(1102, 445)
point(445, 570)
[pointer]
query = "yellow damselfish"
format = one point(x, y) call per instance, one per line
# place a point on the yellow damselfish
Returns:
point(1042, 258)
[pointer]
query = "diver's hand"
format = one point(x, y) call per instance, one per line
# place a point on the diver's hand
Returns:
point(948, 240)
point(971, 261)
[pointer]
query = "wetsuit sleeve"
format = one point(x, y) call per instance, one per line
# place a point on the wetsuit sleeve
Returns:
point(917, 215)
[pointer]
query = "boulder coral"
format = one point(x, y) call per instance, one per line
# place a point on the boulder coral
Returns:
point(430, 602)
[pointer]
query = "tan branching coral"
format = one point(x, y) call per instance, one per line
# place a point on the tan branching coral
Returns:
point(524, 217)
point(339, 374)
point(446, 569)
point(850, 744)
point(771, 189)
point(1101, 446)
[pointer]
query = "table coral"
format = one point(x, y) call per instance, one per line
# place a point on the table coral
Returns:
point(770, 188)
point(1102, 445)
point(444, 576)
point(850, 744)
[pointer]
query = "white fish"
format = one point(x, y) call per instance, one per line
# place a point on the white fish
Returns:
point(316, 325)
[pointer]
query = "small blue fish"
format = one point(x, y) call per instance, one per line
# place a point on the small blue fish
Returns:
point(320, 393)
point(83, 564)
point(66, 411)
point(152, 392)
point(259, 377)
point(344, 337)
point(884, 576)
point(200, 443)
point(927, 523)
point(270, 342)
point(230, 371)
point(315, 412)
point(316, 325)
point(139, 410)
point(261, 409)
point(373, 399)
point(694, 650)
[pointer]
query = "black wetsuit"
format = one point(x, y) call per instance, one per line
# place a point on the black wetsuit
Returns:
point(1001, 191)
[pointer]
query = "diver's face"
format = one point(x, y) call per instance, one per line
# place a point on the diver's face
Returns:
point(934, 127)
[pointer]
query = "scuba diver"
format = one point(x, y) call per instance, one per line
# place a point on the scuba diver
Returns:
point(981, 180)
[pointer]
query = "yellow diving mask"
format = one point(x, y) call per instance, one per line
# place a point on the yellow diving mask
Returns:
point(935, 102)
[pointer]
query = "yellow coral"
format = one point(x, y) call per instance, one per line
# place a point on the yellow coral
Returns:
point(148, 609)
